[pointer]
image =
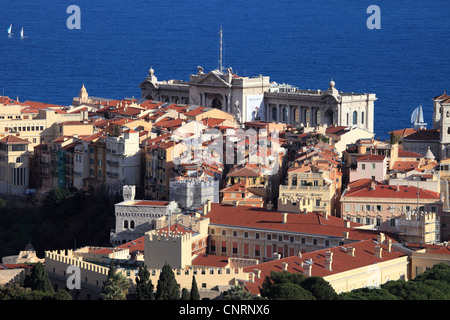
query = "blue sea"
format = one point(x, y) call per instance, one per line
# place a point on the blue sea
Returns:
point(302, 43)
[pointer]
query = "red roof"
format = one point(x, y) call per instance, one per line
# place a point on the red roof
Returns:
point(11, 139)
point(154, 203)
point(371, 157)
point(363, 188)
point(408, 154)
point(364, 255)
point(312, 222)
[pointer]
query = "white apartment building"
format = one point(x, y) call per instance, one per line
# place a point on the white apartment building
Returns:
point(123, 161)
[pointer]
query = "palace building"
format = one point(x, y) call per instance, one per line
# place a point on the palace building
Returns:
point(256, 98)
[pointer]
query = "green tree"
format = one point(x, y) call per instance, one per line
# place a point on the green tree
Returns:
point(38, 279)
point(116, 285)
point(195, 295)
point(320, 288)
point(62, 295)
point(367, 294)
point(413, 290)
point(394, 139)
point(167, 288)
point(144, 286)
point(238, 292)
point(285, 286)
point(440, 271)
point(56, 196)
point(185, 294)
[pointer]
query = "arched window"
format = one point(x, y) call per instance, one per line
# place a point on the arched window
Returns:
point(318, 117)
point(355, 117)
point(347, 120)
point(307, 116)
point(125, 224)
point(132, 224)
point(296, 115)
point(285, 114)
point(362, 118)
point(274, 114)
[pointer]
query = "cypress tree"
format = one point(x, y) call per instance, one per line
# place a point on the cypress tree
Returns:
point(38, 279)
point(194, 290)
point(185, 295)
point(144, 286)
point(167, 288)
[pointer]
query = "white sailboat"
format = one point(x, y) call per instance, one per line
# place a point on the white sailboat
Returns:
point(417, 118)
point(10, 31)
point(21, 34)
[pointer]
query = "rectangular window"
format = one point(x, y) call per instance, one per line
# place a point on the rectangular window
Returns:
point(363, 166)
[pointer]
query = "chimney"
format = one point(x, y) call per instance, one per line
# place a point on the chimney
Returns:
point(235, 203)
point(381, 237)
point(208, 202)
point(379, 252)
point(346, 234)
point(269, 206)
point(276, 256)
point(351, 251)
point(347, 224)
point(205, 209)
point(325, 215)
point(285, 217)
point(299, 254)
point(328, 260)
point(373, 184)
point(284, 266)
point(251, 277)
point(307, 267)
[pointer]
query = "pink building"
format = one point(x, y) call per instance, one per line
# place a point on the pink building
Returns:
point(369, 167)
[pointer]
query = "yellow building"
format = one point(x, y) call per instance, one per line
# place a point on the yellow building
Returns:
point(311, 187)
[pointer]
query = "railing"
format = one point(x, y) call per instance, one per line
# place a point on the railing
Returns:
point(304, 187)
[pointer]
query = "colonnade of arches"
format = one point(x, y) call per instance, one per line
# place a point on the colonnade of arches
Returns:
point(296, 115)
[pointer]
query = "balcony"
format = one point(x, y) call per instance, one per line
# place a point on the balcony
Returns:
point(112, 163)
point(283, 187)
point(112, 174)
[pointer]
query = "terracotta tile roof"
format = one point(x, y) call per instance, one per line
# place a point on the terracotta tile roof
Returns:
point(405, 165)
point(210, 261)
point(312, 223)
point(442, 96)
point(408, 154)
point(364, 255)
point(13, 140)
point(245, 171)
point(6, 266)
point(151, 203)
point(195, 112)
point(404, 132)
point(363, 189)
point(372, 157)
point(135, 245)
point(337, 130)
point(426, 134)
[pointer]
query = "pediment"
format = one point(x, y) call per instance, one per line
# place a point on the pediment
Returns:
point(212, 79)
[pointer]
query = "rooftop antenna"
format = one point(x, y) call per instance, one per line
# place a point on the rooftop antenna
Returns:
point(220, 50)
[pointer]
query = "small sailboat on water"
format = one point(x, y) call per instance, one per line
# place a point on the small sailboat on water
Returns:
point(10, 31)
point(21, 34)
point(417, 118)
